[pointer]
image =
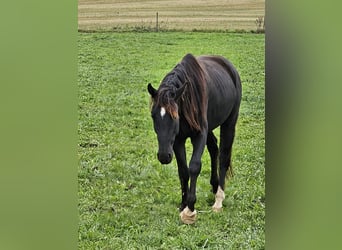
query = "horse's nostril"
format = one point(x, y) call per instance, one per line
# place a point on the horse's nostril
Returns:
point(164, 158)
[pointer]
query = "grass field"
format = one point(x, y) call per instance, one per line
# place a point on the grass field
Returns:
point(127, 200)
point(173, 15)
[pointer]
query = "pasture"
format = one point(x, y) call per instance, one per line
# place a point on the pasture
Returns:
point(173, 15)
point(127, 199)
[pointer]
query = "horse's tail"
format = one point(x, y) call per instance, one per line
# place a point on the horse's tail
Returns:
point(230, 172)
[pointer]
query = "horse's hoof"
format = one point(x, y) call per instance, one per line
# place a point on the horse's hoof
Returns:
point(217, 209)
point(187, 216)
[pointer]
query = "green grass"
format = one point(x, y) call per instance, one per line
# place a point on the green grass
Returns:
point(127, 200)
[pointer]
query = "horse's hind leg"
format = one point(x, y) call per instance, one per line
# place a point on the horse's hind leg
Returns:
point(213, 151)
point(227, 133)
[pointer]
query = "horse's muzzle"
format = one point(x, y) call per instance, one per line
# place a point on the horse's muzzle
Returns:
point(164, 158)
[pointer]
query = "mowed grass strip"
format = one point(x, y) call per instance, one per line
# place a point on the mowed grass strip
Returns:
point(173, 15)
point(127, 200)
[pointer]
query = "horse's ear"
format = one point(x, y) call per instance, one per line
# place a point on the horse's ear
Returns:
point(180, 91)
point(151, 90)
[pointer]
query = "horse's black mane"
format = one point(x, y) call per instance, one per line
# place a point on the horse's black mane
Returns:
point(191, 105)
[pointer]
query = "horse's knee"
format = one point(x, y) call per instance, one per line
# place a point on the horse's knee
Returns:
point(195, 168)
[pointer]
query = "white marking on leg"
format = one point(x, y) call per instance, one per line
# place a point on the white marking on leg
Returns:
point(219, 197)
point(162, 112)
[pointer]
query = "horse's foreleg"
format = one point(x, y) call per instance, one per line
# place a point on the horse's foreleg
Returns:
point(179, 149)
point(188, 215)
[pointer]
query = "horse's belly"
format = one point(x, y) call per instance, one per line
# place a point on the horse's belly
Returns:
point(220, 105)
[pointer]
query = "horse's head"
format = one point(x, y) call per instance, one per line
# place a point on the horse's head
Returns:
point(165, 117)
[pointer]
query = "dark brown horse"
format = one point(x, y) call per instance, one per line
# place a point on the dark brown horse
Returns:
point(197, 96)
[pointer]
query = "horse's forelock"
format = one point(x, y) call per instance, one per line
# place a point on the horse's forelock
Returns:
point(165, 99)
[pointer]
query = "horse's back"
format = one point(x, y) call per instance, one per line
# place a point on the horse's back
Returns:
point(223, 88)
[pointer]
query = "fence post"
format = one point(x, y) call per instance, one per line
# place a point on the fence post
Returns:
point(157, 28)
